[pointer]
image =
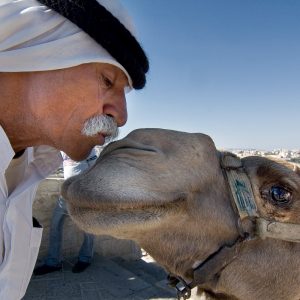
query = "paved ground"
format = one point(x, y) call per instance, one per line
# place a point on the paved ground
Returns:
point(105, 279)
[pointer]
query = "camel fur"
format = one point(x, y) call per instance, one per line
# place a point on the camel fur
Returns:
point(166, 190)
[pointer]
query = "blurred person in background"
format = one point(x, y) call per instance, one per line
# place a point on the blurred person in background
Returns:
point(53, 261)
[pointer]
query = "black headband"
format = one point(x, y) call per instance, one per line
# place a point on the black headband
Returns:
point(95, 20)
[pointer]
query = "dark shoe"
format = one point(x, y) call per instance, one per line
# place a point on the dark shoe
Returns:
point(80, 266)
point(45, 269)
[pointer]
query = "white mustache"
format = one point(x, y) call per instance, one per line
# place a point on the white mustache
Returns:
point(101, 124)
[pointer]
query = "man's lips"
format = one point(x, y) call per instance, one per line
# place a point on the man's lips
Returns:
point(101, 138)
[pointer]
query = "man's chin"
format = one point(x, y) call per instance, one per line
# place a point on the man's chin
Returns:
point(78, 156)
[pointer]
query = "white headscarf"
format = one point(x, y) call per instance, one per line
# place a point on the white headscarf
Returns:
point(36, 38)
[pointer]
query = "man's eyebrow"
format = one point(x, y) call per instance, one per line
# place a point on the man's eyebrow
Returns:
point(124, 79)
point(118, 74)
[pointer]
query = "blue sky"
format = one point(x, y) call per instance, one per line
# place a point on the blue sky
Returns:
point(230, 69)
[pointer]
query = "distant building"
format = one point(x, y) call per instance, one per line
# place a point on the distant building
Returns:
point(289, 155)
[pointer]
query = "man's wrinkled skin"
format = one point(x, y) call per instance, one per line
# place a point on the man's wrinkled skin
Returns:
point(51, 107)
point(166, 190)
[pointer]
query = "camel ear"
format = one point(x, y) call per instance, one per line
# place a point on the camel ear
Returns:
point(297, 169)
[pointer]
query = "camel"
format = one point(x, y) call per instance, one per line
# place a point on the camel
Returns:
point(168, 191)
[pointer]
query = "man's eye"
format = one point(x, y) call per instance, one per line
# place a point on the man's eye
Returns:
point(106, 81)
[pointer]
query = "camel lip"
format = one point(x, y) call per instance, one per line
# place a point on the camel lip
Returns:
point(112, 223)
point(118, 217)
point(117, 201)
point(122, 206)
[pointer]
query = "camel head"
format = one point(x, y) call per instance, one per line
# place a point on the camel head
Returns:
point(166, 190)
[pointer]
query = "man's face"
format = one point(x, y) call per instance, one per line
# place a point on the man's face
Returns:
point(62, 101)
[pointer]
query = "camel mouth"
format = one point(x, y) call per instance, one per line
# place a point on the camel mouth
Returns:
point(130, 193)
point(112, 220)
point(124, 206)
point(144, 204)
point(109, 201)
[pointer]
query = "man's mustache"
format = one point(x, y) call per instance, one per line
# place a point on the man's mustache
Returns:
point(103, 124)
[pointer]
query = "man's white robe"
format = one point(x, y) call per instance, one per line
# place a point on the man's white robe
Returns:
point(19, 240)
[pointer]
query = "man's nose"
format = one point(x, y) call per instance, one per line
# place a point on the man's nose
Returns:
point(116, 107)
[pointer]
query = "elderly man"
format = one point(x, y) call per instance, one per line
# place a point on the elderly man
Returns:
point(64, 69)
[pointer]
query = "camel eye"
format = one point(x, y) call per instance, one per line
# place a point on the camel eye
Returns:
point(280, 195)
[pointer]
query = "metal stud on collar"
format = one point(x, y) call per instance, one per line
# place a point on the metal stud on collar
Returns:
point(182, 288)
point(183, 294)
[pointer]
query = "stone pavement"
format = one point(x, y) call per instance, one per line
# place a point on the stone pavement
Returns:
point(105, 279)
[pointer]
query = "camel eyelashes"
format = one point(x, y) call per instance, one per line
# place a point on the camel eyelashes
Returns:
point(280, 194)
point(277, 195)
